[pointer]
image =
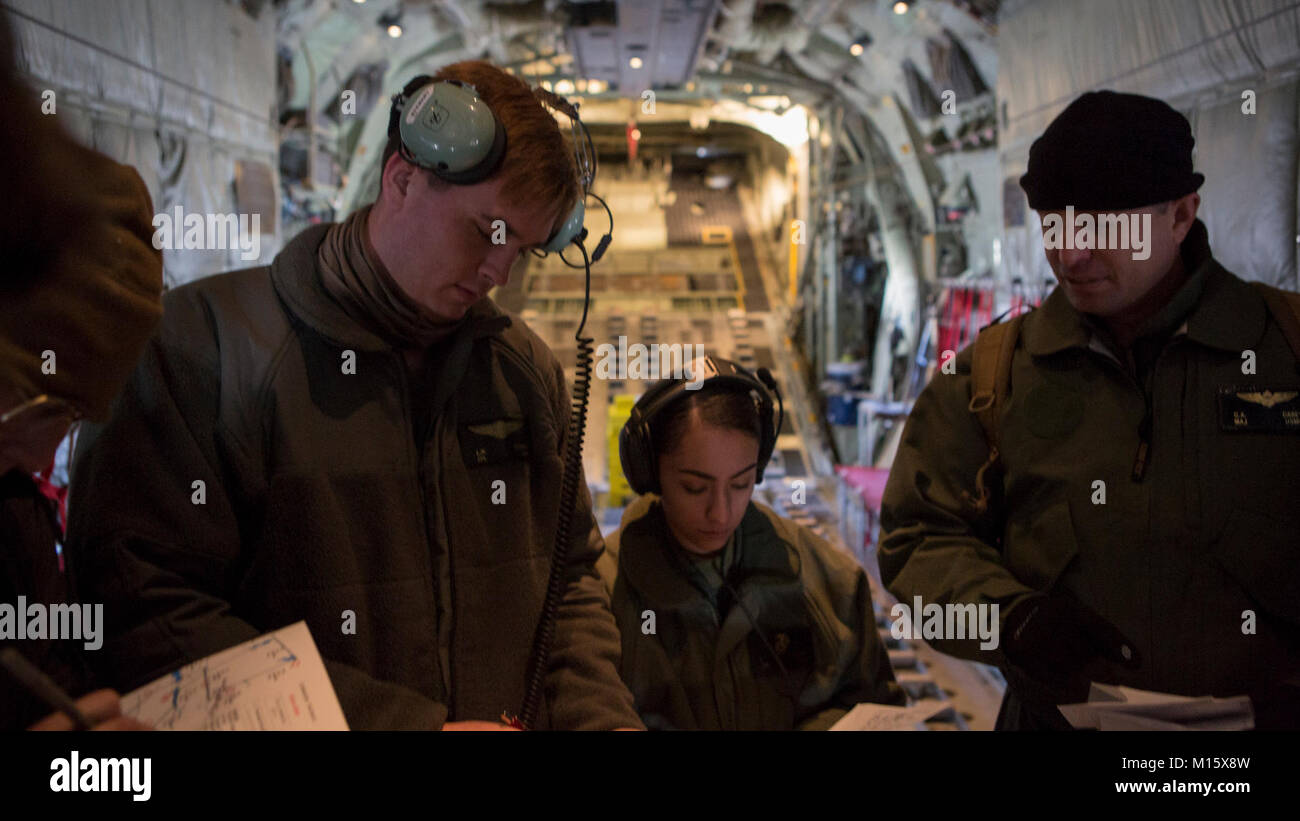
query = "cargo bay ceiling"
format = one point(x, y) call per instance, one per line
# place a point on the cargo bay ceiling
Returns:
point(885, 103)
point(883, 108)
point(771, 65)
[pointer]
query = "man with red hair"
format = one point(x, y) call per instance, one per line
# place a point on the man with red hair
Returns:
point(359, 437)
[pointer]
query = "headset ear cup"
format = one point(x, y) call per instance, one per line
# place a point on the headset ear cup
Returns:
point(570, 229)
point(400, 101)
point(445, 127)
point(402, 98)
point(635, 456)
point(625, 458)
point(485, 168)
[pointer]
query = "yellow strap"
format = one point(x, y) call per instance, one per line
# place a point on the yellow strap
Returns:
point(990, 383)
point(991, 373)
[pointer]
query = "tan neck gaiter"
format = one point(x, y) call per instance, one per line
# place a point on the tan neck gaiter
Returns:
point(353, 274)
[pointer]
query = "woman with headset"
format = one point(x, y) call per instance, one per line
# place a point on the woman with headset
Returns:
point(732, 617)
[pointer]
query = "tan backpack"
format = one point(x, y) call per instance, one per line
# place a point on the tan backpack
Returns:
point(991, 374)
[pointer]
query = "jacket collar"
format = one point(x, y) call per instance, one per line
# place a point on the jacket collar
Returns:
point(1231, 314)
point(298, 282)
point(648, 564)
point(1228, 314)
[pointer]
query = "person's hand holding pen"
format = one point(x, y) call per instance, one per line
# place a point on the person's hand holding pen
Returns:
point(101, 710)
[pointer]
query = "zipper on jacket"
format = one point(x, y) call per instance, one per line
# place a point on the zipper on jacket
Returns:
point(1143, 454)
point(1142, 457)
point(405, 379)
point(1144, 446)
point(448, 680)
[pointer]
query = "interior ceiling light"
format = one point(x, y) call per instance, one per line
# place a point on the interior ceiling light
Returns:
point(900, 7)
point(392, 22)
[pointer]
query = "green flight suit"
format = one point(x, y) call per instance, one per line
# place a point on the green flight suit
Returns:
point(1197, 560)
point(705, 666)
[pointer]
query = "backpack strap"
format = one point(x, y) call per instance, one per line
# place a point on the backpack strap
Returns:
point(1285, 308)
point(991, 357)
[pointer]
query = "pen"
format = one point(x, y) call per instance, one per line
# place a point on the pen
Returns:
point(42, 686)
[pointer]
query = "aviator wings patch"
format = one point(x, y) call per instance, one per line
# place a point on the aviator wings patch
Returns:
point(1268, 398)
point(494, 442)
point(1259, 410)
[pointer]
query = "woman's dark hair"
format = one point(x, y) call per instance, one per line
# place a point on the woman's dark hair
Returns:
point(728, 407)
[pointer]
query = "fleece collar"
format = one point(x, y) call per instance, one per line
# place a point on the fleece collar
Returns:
point(298, 282)
point(648, 565)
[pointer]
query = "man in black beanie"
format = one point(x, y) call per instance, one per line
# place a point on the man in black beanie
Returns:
point(1116, 471)
point(1113, 157)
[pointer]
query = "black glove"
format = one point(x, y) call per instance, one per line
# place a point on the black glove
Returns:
point(1054, 637)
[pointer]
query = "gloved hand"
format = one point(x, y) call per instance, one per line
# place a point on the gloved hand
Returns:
point(1054, 637)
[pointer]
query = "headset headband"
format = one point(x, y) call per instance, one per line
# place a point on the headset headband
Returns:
point(636, 441)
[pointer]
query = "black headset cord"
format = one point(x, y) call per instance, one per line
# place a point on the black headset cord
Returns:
point(545, 634)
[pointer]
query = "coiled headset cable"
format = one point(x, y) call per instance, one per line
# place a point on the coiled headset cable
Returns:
point(544, 636)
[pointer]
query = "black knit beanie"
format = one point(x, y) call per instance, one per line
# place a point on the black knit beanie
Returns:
point(1111, 152)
